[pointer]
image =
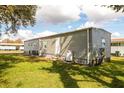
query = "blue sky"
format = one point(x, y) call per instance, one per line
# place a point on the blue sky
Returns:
point(59, 28)
point(84, 16)
point(52, 19)
point(117, 26)
point(114, 26)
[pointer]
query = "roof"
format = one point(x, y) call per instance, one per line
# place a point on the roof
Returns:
point(117, 39)
point(74, 31)
point(12, 44)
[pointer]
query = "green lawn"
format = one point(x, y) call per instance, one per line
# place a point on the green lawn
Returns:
point(11, 51)
point(25, 71)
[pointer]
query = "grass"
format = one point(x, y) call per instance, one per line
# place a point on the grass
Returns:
point(11, 51)
point(34, 72)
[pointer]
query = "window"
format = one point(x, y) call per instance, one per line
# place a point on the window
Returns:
point(31, 44)
point(35, 44)
point(122, 44)
point(29, 53)
point(103, 43)
point(117, 44)
point(34, 52)
point(113, 44)
point(44, 44)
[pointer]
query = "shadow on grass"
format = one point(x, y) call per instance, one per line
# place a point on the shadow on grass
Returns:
point(16, 58)
point(119, 62)
point(8, 61)
point(111, 70)
point(3, 67)
point(63, 69)
point(36, 59)
point(11, 58)
point(19, 84)
point(66, 71)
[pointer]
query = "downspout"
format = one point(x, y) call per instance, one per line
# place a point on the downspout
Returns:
point(88, 46)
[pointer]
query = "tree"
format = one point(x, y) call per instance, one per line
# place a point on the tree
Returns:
point(14, 16)
point(18, 41)
point(7, 41)
point(117, 8)
point(12, 41)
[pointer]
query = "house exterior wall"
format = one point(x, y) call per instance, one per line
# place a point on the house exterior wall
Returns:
point(11, 47)
point(76, 42)
point(21, 48)
point(118, 48)
point(97, 36)
point(5, 47)
point(30, 46)
point(50, 46)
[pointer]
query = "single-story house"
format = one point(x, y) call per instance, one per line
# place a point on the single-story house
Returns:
point(84, 44)
point(117, 46)
point(11, 46)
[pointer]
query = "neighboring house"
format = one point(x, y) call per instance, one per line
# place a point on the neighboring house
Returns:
point(83, 43)
point(117, 46)
point(11, 46)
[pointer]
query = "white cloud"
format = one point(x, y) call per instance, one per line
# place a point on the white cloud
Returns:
point(116, 34)
point(55, 14)
point(4, 36)
point(89, 24)
point(22, 34)
point(26, 35)
point(44, 33)
point(69, 27)
point(99, 15)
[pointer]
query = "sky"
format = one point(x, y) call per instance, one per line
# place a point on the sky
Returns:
point(53, 19)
